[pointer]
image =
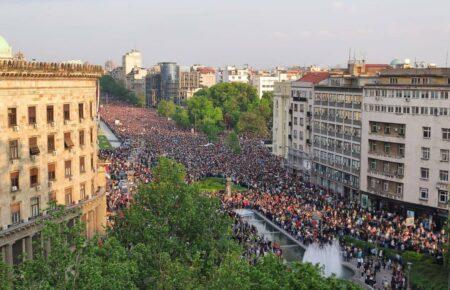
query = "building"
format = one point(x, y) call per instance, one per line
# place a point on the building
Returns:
point(193, 80)
point(280, 132)
point(130, 60)
point(48, 124)
point(264, 84)
point(406, 140)
point(232, 74)
point(5, 49)
point(135, 81)
point(300, 122)
point(170, 80)
point(336, 140)
point(207, 76)
point(163, 83)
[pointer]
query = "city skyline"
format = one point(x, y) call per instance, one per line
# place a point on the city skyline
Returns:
point(228, 33)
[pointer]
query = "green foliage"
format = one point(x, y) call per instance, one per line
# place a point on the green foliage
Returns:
point(232, 141)
point(214, 184)
point(103, 142)
point(171, 237)
point(253, 124)
point(109, 86)
point(73, 262)
point(205, 116)
point(181, 117)
point(166, 108)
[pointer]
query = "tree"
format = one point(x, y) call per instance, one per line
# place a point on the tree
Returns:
point(232, 141)
point(111, 87)
point(253, 124)
point(181, 117)
point(166, 108)
point(205, 116)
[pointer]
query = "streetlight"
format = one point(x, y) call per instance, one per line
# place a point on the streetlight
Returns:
point(409, 275)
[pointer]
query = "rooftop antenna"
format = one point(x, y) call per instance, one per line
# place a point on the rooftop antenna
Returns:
point(349, 53)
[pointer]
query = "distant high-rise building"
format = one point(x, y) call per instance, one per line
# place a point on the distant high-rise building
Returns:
point(170, 80)
point(232, 74)
point(130, 60)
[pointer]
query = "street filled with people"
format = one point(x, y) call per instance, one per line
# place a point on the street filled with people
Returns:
point(308, 212)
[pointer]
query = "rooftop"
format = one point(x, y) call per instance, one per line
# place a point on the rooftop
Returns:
point(314, 77)
point(441, 71)
point(20, 68)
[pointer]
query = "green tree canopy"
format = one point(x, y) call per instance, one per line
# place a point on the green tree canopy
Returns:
point(166, 108)
point(181, 117)
point(117, 90)
point(253, 124)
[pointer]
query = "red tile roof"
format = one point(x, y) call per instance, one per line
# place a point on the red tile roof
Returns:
point(206, 70)
point(314, 77)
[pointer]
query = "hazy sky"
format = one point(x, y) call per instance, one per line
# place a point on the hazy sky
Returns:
point(261, 33)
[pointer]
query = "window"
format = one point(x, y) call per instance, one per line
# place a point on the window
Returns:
point(444, 155)
point(373, 146)
point(83, 191)
point(68, 196)
point(401, 130)
point(81, 111)
point(52, 199)
point(15, 213)
point(399, 189)
point(387, 148)
point(35, 207)
point(66, 112)
point(68, 144)
point(91, 135)
point(425, 153)
point(32, 115)
point(373, 164)
point(426, 131)
point(81, 138)
point(50, 114)
point(374, 128)
point(13, 149)
point(443, 196)
point(50, 143)
point(12, 117)
point(446, 134)
point(14, 177)
point(387, 129)
point(385, 186)
point(91, 113)
point(401, 150)
point(443, 175)
point(51, 168)
point(82, 165)
point(424, 173)
point(400, 169)
point(34, 149)
point(423, 193)
point(92, 162)
point(34, 177)
point(68, 168)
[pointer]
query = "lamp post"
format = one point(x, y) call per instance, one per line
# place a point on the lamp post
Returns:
point(409, 276)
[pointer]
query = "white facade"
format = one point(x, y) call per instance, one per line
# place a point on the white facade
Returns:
point(280, 132)
point(130, 60)
point(232, 74)
point(264, 84)
point(406, 143)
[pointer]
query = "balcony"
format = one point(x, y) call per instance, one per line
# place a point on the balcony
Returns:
point(388, 194)
point(385, 156)
point(392, 176)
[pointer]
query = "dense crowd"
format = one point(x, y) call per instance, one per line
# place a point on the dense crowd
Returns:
point(308, 212)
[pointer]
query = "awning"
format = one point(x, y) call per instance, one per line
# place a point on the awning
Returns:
point(68, 141)
point(34, 150)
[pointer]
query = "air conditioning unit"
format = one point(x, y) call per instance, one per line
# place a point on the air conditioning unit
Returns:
point(33, 157)
point(35, 126)
point(66, 122)
point(16, 128)
point(52, 124)
point(50, 183)
point(14, 188)
point(54, 152)
point(38, 187)
point(407, 99)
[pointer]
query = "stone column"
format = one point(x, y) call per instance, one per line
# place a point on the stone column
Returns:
point(29, 247)
point(9, 254)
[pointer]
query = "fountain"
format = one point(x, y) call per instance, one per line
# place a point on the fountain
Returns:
point(328, 256)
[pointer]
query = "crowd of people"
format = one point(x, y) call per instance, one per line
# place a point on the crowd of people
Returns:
point(308, 212)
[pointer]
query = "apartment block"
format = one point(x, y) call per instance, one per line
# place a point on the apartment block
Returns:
point(406, 139)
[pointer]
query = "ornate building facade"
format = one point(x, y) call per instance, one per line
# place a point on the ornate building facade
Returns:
point(48, 145)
